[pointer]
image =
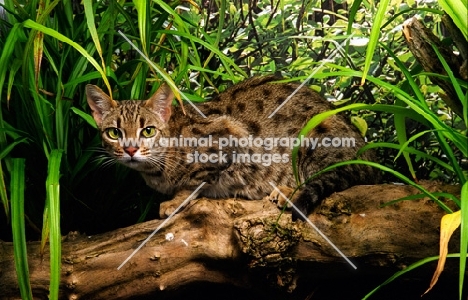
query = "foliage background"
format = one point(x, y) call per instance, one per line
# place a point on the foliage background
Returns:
point(203, 47)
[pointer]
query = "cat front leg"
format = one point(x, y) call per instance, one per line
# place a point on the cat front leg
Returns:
point(167, 208)
point(278, 196)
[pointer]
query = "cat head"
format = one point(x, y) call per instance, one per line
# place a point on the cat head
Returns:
point(130, 129)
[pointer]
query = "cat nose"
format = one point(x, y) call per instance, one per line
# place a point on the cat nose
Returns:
point(131, 150)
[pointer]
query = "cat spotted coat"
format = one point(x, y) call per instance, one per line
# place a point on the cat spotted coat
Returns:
point(240, 112)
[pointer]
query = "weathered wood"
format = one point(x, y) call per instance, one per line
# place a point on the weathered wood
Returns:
point(420, 41)
point(241, 244)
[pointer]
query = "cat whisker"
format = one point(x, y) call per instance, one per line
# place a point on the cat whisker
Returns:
point(95, 149)
point(99, 158)
point(104, 161)
point(166, 162)
point(109, 163)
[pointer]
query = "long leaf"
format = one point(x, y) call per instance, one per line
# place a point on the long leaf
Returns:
point(374, 37)
point(219, 54)
point(16, 34)
point(87, 117)
point(400, 127)
point(18, 227)
point(398, 175)
point(33, 25)
point(431, 119)
point(455, 84)
point(420, 196)
point(88, 8)
point(411, 139)
point(457, 10)
point(464, 237)
point(410, 150)
point(3, 194)
point(316, 120)
point(143, 8)
point(53, 199)
point(406, 270)
point(451, 156)
point(10, 147)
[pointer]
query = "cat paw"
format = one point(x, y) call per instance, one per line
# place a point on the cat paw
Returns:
point(278, 196)
point(167, 208)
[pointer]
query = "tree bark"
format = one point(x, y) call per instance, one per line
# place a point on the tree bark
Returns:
point(421, 40)
point(244, 244)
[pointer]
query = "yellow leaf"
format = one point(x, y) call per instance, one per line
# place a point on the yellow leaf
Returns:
point(448, 225)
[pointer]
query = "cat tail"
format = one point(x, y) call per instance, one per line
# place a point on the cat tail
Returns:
point(318, 188)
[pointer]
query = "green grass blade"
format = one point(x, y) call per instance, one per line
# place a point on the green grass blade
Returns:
point(219, 54)
point(142, 8)
point(84, 78)
point(87, 117)
point(3, 194)
point(316, 120)
point(10, 147)
point(457, 9)
point(411, 139)
point(460, 82)
point(18, 227)
point(410, 150)
point(464, 236)
point(455, 84)
point(430, 119)
point(400, 127)
point(16, 35)
point(451, 156)
point(406, 270)
point(88, 9)
point(352, 16)
point(398, 175)
point(222, 15)
point(420, 196)
point(45, 227)
point(53, 199)
point(414, 86)
point(53, 33)
point(374, 37)
point(411, 11)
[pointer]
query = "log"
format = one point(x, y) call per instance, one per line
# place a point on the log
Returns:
point(420, 41)
point(246, 246)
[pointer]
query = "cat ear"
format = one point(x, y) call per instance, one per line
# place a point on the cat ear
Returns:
point(160, 103)
point(99, 102)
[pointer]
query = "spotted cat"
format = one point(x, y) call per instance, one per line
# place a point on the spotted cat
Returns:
point(251, 141)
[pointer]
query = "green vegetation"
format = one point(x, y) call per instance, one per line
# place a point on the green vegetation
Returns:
point(54, 178)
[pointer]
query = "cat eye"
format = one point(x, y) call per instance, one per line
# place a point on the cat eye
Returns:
point(113, 133)
point(148, 132)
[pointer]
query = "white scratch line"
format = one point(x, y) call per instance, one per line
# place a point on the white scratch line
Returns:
point(314, 227)
point(339, 46)
point(164, 76)
point(161, 225)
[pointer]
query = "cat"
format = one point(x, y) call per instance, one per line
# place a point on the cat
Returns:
point(248, 149)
